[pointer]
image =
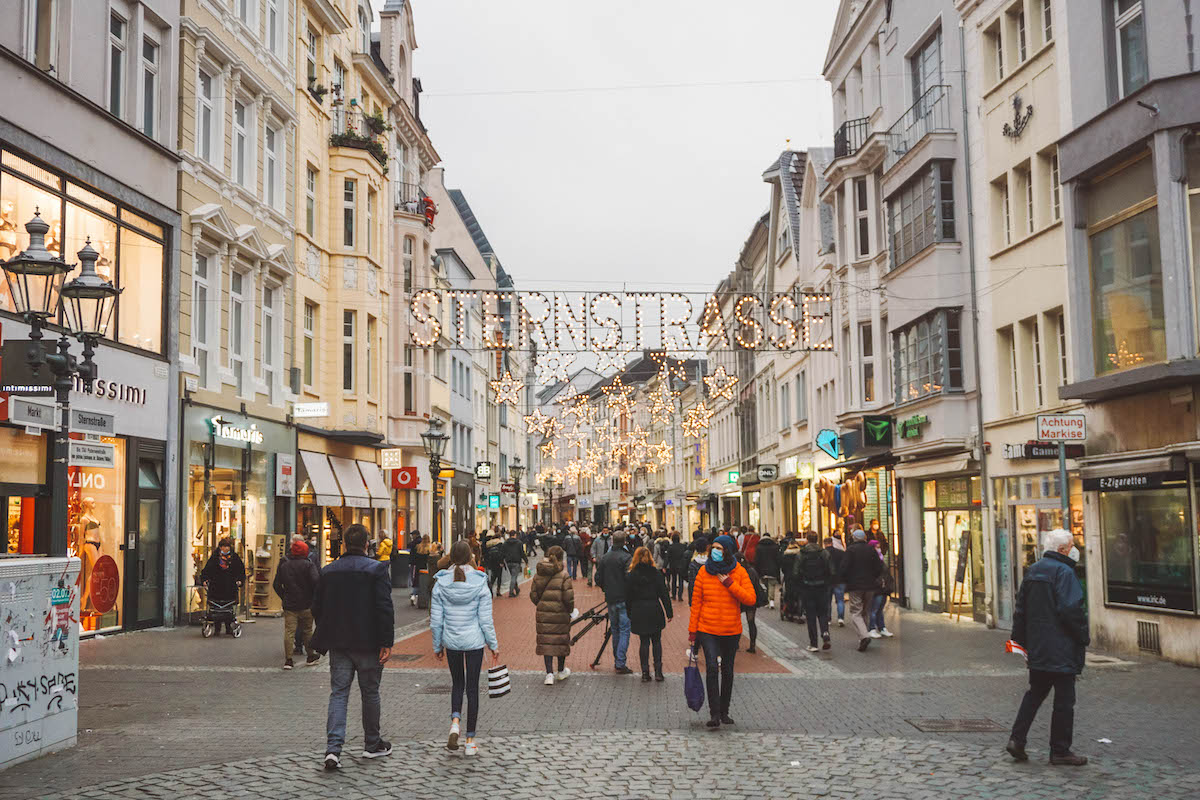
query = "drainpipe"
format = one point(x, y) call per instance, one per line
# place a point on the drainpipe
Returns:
point(989, 538)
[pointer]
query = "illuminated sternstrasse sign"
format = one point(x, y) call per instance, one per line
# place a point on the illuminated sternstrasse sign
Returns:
point(223, 430)
point(602, 321)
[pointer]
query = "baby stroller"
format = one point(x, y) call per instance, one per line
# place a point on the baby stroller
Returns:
point(218, 614)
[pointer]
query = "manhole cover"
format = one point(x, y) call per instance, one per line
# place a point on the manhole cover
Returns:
point(435, 689)
point(405, 657)
point(957, 725)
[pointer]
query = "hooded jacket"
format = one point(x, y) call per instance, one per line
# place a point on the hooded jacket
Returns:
point(514, 552)
point(460, 612)
point(384, 552)
point(353, 605)
point(295, 582)
point(647, 599)
point(766, 558)
point(862, 568)
point(1050, 619)
point(554, 596)
point(718, 610)
point(610, 574)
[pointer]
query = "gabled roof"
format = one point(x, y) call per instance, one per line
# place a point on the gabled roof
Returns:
point(789, 170)
point(468, 218)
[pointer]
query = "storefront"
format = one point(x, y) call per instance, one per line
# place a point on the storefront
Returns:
point(239, 481)
point(952, 547)
point(340, 485)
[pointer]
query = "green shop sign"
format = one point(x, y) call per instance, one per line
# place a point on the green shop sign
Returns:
point(911, 427)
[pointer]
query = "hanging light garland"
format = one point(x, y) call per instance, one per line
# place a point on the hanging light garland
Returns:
point(721, 384)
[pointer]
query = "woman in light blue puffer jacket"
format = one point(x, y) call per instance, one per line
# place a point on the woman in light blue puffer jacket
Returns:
point(460, 616)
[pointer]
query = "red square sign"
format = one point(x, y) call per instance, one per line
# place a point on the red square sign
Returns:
point(405, 478)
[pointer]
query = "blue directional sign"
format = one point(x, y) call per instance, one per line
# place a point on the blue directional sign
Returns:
point(830, 443)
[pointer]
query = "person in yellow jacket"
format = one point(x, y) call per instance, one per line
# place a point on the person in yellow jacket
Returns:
point(722, 587)
point(384, 553)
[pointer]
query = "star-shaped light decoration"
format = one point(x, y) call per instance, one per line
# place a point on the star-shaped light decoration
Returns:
point(553, 367)
point(696, 419)
point(612, 359)
point(580, 407)
point(619, 395)
point(535, 422)
point(552, 427)
point(625, 478)
point(577, 436)
point(662, 451)
point(651, 467)
point(549, 450)
point(662, 404)
point(720, 383)
point(507, 389)
point(668, 367)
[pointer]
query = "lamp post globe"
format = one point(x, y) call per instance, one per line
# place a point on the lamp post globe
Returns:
point(435, 445)
point(88, 300)
point(35, 277)
point(515, 470)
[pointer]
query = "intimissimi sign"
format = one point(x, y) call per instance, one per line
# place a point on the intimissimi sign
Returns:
point(114, 390)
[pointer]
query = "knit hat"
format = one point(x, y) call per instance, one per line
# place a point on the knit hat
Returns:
point(859, 535)
point(299, 549)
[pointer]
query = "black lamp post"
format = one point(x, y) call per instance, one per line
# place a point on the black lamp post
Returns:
point(35, 281)
point(515, 470)
point(435, 445)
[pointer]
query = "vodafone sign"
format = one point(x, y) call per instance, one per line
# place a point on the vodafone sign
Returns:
point(405, 478)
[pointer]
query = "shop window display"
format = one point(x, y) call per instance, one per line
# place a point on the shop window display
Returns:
point(96, 524)
point(952, 534)
point(1149, 552)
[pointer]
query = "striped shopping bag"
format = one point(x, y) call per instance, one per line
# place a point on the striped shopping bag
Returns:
point(498, 683)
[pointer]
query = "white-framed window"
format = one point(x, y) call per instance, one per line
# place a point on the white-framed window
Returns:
point(237, 330)
point(996, 39)
point(785, 406)
point(41, 28)
point(349, 210)
point(802, 397)
point(928, 356)
point(348, 352)
point(848, 377)
point(1130, 38)
point(310, 342)
point(1055, 189)
point(866, 351)
point(862, 225)
point(201, 292)
point(1028, 178)
point(1061, 329)
point(274, 27)
point(1008, 343)
point(409, 246)
point(339, 80)
point(117, 29)
point(782, 243)
point(370, 353)
point(273, 153)
point(1035, 333)
point(1022, 39)
point(150, 59)
point(370, 220)
point(364, 30)
point(206, 88)
point(245, 10)
point(310, 201)
point(241, 137)
point(1006, 202)
point(310, 55)
point(1047, 21)
point(268, 341)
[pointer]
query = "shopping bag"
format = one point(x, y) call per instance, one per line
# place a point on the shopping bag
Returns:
point(498, 683)
point(693, 684)
point(1012, 647)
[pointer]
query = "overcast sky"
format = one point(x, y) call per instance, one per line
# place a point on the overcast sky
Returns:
point(646, 186)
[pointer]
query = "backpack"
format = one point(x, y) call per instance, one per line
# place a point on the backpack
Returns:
point(760, 591)
point(812, 568)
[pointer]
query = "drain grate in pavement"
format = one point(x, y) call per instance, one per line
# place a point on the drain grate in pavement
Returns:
point(934, 725)
point(405, 657)
point(437, 688)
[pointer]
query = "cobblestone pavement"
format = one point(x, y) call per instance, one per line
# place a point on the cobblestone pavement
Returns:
point(167, 713)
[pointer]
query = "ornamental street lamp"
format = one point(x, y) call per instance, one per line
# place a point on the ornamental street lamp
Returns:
point(515, 470)
point(35, 281)
point(435, 445)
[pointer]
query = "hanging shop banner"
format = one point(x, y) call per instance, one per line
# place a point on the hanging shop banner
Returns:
point(285, 475)
point(392, 458)
point(602, 321)
point(405, 478)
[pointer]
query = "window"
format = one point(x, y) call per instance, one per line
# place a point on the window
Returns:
point(1130, 34)
point(370, 348)
point(1039, 394)
point(339, 77)
point(781, 245)
point(1061, 328)
point(1022, 43)
point(310, 201)
point(802, 397)
point(862, 228)
point(364, 30)
point(245, 10)
point(1149, 546)
point(1006, 208)
point(409, 243)
point(239, 142)
point(274, 22)
point(237, 330)
point(348, 351)
point(1047, 21)
point(410, 405)
point(866, 337)
point(43, 34)
point(204, 116)
point(785, 408)
point(370, 220)
point(149, 87)
point(268, 341)
point(922, 212)
point(848, 382)
point(348, 189)
point(1010, 378)
point(928, 356)
point(271, 167)
point(116, 65)
point(1129, 324)
point(1027, 178)
point(996, 40)
point(200, 295)
point(1055, 189)
point(310, 342)
point(310, 55)
point(926, 66)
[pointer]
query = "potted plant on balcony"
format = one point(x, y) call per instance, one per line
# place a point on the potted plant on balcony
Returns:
point(375, 123)
point(318, 91)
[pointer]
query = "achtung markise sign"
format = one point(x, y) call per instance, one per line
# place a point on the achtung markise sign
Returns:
point(1061, 427)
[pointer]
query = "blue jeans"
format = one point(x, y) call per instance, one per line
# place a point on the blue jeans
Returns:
point(514, 577)
point(343, 666)
point(876, 617)
point(572, 566)
point(839, 596)
point(618, 620)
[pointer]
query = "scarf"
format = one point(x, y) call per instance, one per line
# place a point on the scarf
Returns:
point(223, 559)
point(728, 562)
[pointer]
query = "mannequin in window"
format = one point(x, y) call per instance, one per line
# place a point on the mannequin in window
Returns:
point(87, 531)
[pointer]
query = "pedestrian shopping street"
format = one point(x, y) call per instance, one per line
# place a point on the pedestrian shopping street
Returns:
point(167, 713)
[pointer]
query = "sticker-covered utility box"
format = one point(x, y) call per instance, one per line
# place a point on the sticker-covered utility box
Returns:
point(39, 657)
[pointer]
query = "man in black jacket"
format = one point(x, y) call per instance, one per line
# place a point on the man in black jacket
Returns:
point(766, 561)
point(860, 573)
point(355, 623)
point(295, 581)
point(514, 557)
point(813, 573)
point(610, 576)
point(1050, 622)
point(677, 563)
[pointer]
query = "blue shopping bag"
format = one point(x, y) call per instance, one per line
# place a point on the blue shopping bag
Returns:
point(693, 684)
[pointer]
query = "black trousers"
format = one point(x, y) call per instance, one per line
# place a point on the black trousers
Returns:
point(815, 605)
point(645, 643)
point(464, 676)
point(751, 625)
point(549, 660)
point(719, 680)
point(1062, 721)
point(678, 580)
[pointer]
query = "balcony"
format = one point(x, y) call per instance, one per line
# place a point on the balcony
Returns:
point(930, 113)
point(850, 136)
point(409, 199)
point(350, 127)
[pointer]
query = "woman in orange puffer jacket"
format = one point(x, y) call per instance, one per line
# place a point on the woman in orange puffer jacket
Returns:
point(722, 588)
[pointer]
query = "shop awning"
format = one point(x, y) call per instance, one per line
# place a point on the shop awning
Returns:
point(933, 467)
point(376, 485)
point(320, 479)
point(354, 491)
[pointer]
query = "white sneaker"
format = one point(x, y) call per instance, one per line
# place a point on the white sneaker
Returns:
point(841, 623)
point(549, 679)
point(452, 742)
point(874, 634)
point(771, 604)
point(886, 632)
point(471, 749)
point(566, 673)
point(412, 599)
point(812, 649)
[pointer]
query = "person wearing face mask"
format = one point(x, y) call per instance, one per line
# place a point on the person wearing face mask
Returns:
point(1050, 622)
point(721, 589)
point(224, 575)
